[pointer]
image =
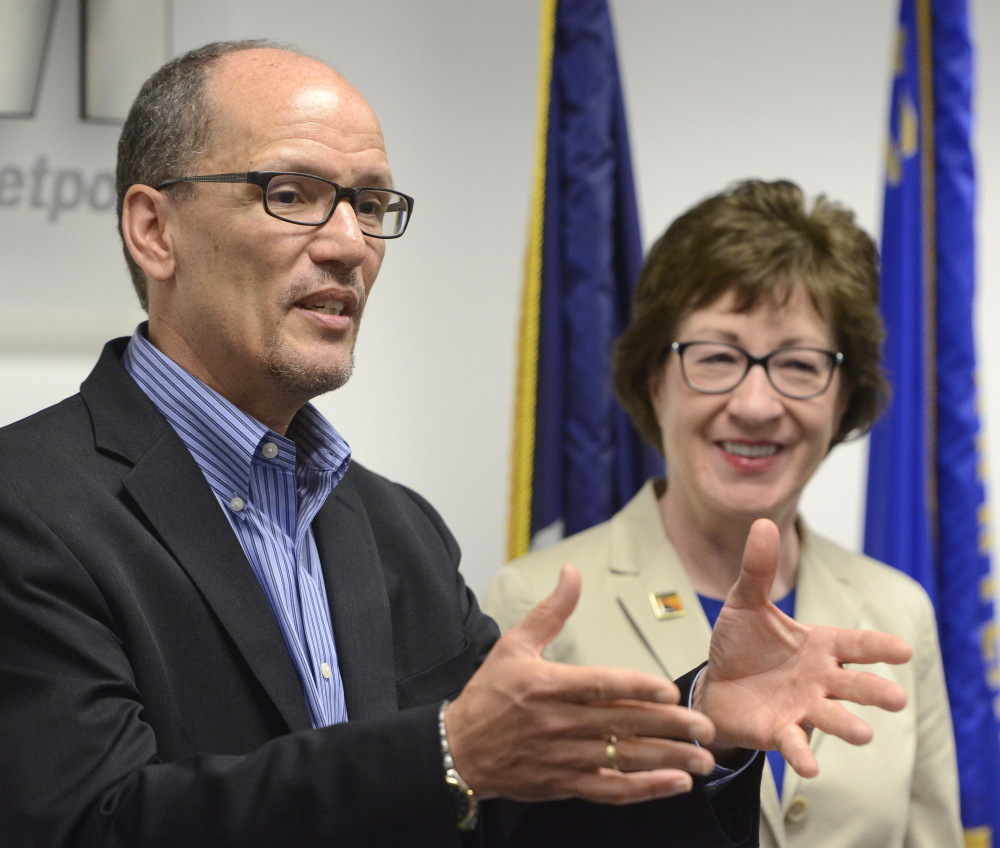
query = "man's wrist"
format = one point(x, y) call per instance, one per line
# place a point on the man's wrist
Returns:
point(463, 799)
point(729, 761)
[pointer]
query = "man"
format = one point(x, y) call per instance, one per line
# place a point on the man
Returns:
point(215, 632)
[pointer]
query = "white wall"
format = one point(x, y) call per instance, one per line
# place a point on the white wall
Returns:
point(717, 91)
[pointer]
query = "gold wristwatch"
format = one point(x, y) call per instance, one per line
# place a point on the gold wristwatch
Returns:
point(463, 799)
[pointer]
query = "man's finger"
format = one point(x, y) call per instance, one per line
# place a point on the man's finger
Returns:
point(834, 719)
point(646, 754)
point(869, 646)
point(611, 787)
point(760, 565)
point(863, 687)
point(543, 623)
point(793, 745)
point(603, 685)
point(631, 753)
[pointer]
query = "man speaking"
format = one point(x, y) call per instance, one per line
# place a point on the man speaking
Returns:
point(218, 630)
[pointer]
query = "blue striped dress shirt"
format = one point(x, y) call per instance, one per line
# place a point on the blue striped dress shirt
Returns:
point(270, 488)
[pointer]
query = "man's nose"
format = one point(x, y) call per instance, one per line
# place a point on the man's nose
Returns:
point(340, 239)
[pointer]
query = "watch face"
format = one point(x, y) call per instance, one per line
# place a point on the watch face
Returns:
point(463, 801)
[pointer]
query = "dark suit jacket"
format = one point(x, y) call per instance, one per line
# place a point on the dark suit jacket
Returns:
point(146, 694)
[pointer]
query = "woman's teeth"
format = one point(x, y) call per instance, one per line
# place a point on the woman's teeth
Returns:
point(750, 451)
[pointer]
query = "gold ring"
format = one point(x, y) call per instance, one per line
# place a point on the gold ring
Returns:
point(611, 752)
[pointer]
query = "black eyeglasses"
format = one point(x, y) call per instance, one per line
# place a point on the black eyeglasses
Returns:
point(310, 201)
point(714, 368)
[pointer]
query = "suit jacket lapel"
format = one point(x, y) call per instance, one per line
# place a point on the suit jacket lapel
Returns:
point(359, 603)
point(175, 498)
point(640, 548)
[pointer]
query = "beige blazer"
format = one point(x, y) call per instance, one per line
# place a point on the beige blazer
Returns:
point(901, 790)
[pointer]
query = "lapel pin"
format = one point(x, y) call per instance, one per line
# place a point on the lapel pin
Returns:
point(666, 605)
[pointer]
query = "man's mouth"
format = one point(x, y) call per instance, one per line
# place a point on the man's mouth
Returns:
point(327, 307)
point(750, 451)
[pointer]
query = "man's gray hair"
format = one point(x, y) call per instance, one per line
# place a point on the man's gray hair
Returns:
point(168, 129)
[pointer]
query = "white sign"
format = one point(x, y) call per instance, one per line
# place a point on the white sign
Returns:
point(63, 282)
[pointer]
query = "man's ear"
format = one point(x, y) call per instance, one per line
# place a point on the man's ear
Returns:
point(146, 232)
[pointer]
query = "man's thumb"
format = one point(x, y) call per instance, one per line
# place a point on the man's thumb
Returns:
point(760, 565)
point(547, 617)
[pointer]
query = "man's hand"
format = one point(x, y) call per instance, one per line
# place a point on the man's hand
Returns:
point(531, 730)
point(770, 679)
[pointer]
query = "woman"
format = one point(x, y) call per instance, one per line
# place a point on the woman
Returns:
point(748, 278)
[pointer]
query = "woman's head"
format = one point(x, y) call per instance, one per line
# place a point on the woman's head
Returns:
point(758, 243)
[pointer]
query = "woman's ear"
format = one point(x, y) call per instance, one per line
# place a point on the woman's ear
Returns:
point(840, 407)
point(147, 233)
point(655, 385)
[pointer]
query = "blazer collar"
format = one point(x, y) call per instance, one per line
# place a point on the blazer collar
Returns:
point(175, 499)
point(640, 548)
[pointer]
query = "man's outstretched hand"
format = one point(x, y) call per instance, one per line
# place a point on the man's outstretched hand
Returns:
point(770, 679)
point(529, 729)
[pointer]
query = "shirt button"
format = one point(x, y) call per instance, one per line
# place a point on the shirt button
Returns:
point(236, 504)
point(270, 450)
point(797, 810)
point(325, 670)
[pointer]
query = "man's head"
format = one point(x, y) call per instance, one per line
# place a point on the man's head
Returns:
point(263, 310)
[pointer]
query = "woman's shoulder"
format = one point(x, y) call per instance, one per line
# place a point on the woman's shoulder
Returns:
point(524, 581)
point(876, 584)
point(584, 550)
point(591, 548)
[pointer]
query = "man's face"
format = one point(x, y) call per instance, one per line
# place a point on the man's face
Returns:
point(265, 311)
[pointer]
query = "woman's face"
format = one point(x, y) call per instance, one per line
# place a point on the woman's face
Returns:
point(749, 452)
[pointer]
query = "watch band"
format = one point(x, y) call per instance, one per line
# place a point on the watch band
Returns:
point(463, 799)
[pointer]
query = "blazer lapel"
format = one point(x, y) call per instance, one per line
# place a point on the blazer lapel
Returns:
point(178, 503)
point(772, 816)
point(640, 549)
point(359, 603)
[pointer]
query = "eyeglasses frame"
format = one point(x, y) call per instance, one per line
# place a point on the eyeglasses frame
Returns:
point(263, 178)
point(836, 360)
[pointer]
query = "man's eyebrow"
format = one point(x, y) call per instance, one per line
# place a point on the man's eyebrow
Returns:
point(375, 180)
point(372, 179)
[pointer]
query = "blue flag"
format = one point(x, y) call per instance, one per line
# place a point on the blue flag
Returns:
point(926, 510)
point(577, 459)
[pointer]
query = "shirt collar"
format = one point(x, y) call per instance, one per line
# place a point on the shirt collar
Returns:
point(222, 438)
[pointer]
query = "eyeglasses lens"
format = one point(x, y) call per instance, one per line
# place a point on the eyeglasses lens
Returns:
point(306, 200)
point(796, 372)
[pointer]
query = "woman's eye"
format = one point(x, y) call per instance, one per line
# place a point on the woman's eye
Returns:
point(717, 359)
point(803, 366)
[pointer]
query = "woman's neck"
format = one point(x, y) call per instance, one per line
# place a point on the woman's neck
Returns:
point(710, 546)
